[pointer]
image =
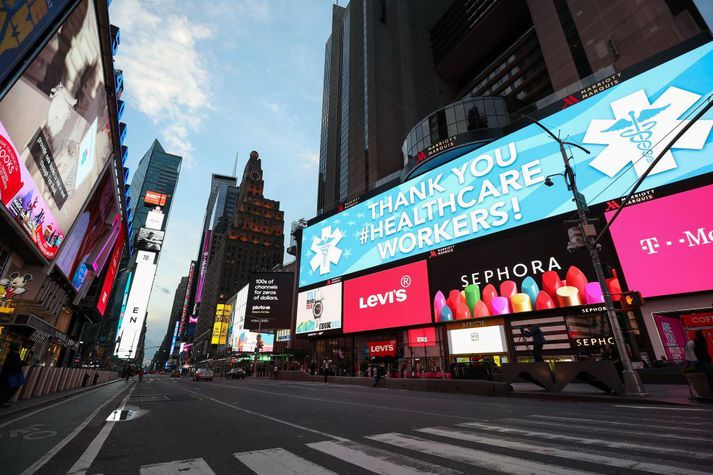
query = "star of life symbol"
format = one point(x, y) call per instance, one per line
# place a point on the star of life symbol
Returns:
point(639, 132)
point(325, 250)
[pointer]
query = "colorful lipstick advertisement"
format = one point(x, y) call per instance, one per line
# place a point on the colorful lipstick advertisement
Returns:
point(20, 196)
point(670, 237)
point(531, 271)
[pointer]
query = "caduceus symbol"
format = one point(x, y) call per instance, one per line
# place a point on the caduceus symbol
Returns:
point(639, 129)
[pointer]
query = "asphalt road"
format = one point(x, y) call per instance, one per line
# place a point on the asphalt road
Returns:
point(164, 425)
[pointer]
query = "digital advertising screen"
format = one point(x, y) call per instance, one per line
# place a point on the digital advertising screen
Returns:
point(500, 186)
point(95, 228)
point(248, 341)
point(129, 332)
point(391, 298)
point(221, 324)
point(421, 337)
point(319, 310)
point(525, 272)
point(149, 240)
point(269, 304)
point(56, 135)
point(465, 341)
point(154, 219)
point(111, 273)
point(669, 237)
point(155, 198)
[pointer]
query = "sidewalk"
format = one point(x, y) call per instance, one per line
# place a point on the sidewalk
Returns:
point(26, 404)
point(664, 394)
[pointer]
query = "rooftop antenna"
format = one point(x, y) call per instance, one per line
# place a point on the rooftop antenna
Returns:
point(235, 164)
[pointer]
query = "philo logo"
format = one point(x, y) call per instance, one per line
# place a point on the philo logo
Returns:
point(386, 298)
point(325, 250)
point(640, 130)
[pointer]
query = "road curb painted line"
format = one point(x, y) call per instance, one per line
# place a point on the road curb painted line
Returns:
point(53, 451)
point(41, 407)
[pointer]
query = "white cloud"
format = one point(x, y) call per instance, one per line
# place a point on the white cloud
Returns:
point(276, 107)
point(166, 77)
point(308, 160)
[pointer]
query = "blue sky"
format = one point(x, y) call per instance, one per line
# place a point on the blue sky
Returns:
point(210, 79)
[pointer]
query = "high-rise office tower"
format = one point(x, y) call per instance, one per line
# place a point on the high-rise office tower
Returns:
point(151, 195)
point(252, 240)
point(163, 354)
point(378, 81)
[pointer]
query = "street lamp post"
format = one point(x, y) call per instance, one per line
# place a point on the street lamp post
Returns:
point(632, 381)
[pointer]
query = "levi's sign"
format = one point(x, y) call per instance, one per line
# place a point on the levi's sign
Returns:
point(382, 348)
point(500, 186)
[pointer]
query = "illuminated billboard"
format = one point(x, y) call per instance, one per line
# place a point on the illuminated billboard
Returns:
point(248, 341)
point(57, 117)
point(269, 304)
point(220, 324)
point(135, 313)
point(203, 265)
point(111, 273)
point(154, 219)
point(477, 340)
point(500, 186)
point(669, 237)
point(155, 198)
point(319, 310)
point(186, 298)
point(96, 227)
point(149, 240)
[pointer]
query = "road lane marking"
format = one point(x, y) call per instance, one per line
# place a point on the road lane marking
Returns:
point(24, 416)
point(53, 451)
point(370, 406)
point(589, 441)
point(184, 467)
point(480, 458)
point(274, 419)
point(662, 408)
point(377, 460)
point(87, 458)
point(617, 423)
point(556, 452)
point(272, 461)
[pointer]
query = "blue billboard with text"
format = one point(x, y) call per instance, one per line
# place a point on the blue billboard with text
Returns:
point(501, 185)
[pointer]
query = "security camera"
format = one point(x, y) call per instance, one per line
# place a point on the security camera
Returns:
point(548, 181)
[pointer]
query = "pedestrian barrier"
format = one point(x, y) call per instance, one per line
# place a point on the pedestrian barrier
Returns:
point(43, 380)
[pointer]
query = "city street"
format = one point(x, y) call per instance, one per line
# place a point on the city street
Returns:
point(171, 425)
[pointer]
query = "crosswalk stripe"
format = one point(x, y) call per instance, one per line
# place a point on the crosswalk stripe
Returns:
point(378, 461)
point(278, 460)
point(589, 441)
point(184, 467)
point(553, 451)
point(621, 430)
point(480, 458)
point(619, 423)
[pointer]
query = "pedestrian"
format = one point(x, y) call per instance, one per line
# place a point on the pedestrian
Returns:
point(274, 372)
point(141, 374)
point(538, 340)
point(704, 358)
point(690, 352)
point(127, 373)
point(325, 369)
point(11, 376)
point(378, 374)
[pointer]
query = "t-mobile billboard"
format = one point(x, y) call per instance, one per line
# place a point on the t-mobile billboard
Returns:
point(130, 330)
point(666, 245)
point(392, 298)
point(500, 186)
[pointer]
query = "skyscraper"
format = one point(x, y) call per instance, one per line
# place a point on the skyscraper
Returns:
point(150, 196)
point(378, 78)
point(252, 240)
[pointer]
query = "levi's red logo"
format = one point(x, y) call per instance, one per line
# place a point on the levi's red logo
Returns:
point(392, 298)
point(382, 348)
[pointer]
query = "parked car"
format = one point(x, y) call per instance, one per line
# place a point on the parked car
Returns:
point(236, 373)
point(202, 374)
point(176, 373)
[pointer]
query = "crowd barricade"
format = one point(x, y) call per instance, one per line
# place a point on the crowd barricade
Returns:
point(44, 380)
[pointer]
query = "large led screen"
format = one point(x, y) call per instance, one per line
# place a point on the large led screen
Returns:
point(500, 186)
point(479, 340)
point(496, 276)
point(269, 304)
point(666, 245)
point(111, 273)
point(95, 229)
point(392, 298)
point(56, 116)
point(248, 341)
point(319, 310)
point(149, 239)
point(129, 332)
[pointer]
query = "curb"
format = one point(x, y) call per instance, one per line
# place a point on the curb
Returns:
point(6, 412)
